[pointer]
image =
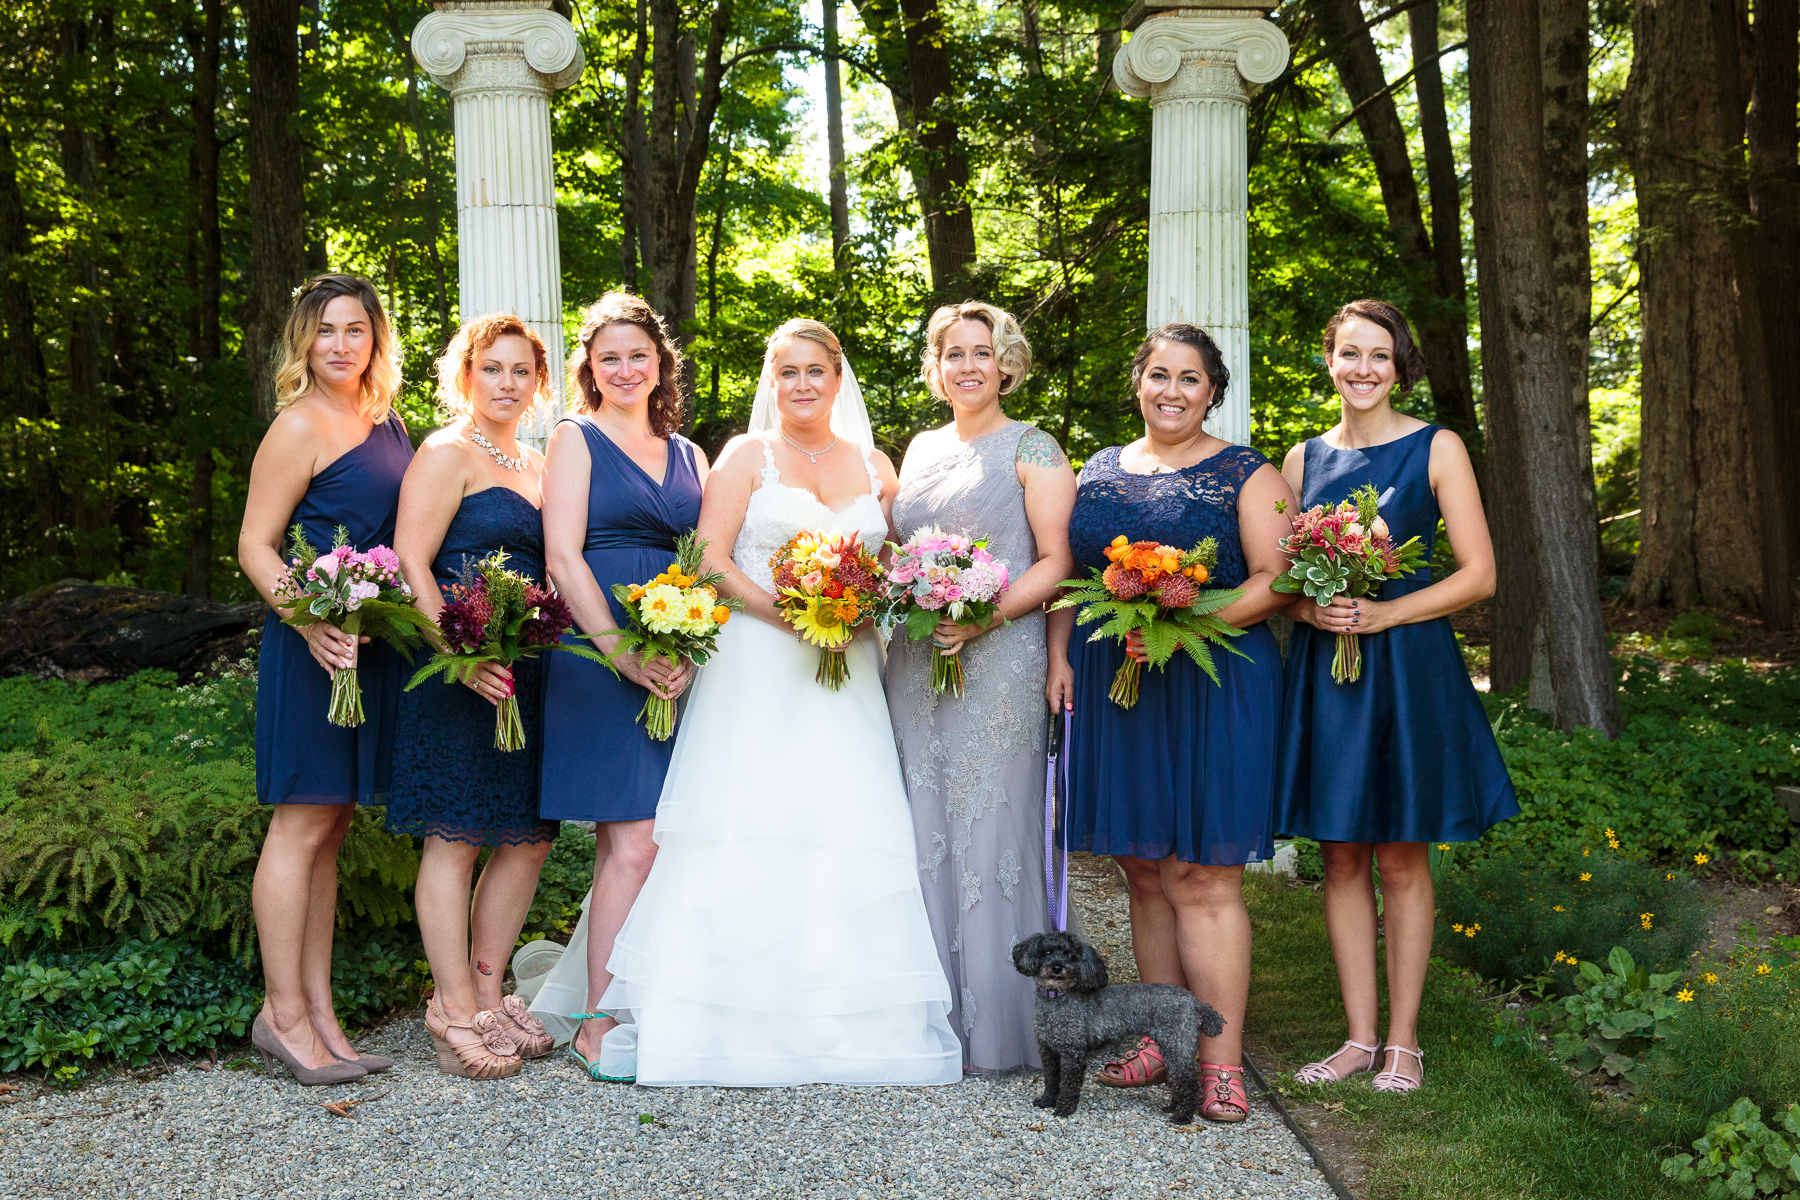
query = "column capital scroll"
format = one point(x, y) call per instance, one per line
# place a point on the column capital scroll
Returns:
point(443, 39)
point(1256, 48)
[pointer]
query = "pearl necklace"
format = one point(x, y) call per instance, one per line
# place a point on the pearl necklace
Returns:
point(511, 464)
point(814, 456)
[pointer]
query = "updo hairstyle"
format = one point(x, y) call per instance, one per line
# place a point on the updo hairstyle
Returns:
point(1012, 353)
point(1186, 335)
point(454, 398)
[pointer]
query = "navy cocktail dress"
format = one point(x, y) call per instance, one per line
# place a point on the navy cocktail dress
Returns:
point(1188, 771)
point(599, 763)
point(302, 758)
point(449, 780)
point(1404, 754)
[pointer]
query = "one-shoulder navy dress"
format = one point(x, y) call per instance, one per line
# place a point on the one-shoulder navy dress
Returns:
point(1189, 770)
point(599, 764)
point(302, 758)
point(449, 781)
point(1404, 754)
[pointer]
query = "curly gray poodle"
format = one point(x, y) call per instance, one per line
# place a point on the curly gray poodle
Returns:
point(1077, 1013)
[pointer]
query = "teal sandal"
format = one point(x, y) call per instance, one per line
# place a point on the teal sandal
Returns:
point(593, 1068)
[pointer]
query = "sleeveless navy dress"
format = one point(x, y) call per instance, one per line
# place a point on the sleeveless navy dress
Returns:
point(1188, 771)
point(302, 758)
point(599, 764)
point(449, 781)
point(1404, 754)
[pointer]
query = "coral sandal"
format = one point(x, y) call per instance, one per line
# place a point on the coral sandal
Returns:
point(534, 1040)
point(1225, 1100)
point(492, 1055)
point(1142, 1066)
point(1323, 1072)
point(1391, 1080)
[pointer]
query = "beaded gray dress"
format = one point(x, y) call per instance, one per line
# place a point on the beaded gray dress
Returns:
point(975, 767)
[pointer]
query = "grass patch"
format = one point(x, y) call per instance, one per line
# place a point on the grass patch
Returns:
point(1492, 1120)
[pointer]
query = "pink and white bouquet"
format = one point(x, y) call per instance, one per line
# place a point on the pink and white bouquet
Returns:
point(1344, 550)
point(935, 577)
point(360, 592)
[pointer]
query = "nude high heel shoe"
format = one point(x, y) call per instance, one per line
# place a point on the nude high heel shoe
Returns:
point(271, 1048)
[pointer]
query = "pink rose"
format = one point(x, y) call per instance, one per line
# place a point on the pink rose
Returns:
point(812, 580)
point(953, 593)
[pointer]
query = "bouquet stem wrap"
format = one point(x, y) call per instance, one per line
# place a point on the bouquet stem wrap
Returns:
point(346, 698)
point(947, 674)
point(509, 730)
point(1346, 664)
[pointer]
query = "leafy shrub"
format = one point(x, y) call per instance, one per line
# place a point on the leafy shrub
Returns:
point(374, 972)
point(1614, 1023)
point(97, 840)
point(128, 1001)
point(1698, 625)
point(1744, 1158)
point(1510, 915)
point(1737, 1038)
point(210, 718)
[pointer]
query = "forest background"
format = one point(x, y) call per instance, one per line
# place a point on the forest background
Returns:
point(170, 169)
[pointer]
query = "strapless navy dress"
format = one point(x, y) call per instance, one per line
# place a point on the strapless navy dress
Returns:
point(1188, 771)
point(599, 764)
point(449, 781)
point(1404, 754)
point(302, 758)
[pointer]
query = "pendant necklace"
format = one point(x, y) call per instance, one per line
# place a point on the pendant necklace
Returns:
point(812, 455)
point(511, 464)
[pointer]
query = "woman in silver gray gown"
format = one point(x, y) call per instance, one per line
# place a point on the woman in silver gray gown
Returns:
point(975, 766)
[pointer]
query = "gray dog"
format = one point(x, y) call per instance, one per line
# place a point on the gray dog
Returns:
point(1077, 1014)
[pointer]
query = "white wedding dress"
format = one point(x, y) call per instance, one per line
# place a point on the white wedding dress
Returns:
point(781, 937)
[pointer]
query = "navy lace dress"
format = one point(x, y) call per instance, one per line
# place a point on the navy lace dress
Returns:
point(302, 758)
point(1189, 771)
point(449, 781)
point(1404, 754)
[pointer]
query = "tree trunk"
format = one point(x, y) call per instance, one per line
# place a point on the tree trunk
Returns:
point(1524, 351)
point(834, 142)
point(1696, 482)
point(203, 46)
point(1564, 39)
point(1775, 206)
point(636, 241)
point(1442, 325)
point(277, 187)
point(23, 382)
point(96, 539)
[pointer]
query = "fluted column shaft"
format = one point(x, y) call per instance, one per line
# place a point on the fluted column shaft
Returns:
point(1199, 69)
point(500, 61)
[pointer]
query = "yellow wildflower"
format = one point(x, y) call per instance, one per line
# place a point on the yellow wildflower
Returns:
point(1700, 860)
point(1456, 928)
point(1443, 845)
point(1586, 875)
point(1685, 995)
point(1762, 968)
point(1584, 854)
point(1644, 918)
point(1611, 834)
point(1612, 843)
point(1560, 908)
point(1710, 977)
point(1561, 957)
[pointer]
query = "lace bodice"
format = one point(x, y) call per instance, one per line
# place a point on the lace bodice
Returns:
point(777, 512)
point(1178, 508)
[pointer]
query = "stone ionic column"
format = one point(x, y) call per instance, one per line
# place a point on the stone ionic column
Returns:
point(500, 60)
point(1199, 67)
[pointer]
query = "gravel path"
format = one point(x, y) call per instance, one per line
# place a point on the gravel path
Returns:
point(550, 1133)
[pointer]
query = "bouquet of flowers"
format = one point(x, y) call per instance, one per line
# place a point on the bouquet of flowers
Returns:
point(1158, 591)
point(498, 616)
point(361, 593)
point(1344, 550)
point(824, 584)
point(677, 615)
point(935, 576)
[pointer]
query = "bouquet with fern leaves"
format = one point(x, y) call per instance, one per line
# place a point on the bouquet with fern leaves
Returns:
point(677, 615)
point(1345, 550)
point(498, 616)
point(362, 593)
point(1157, 592)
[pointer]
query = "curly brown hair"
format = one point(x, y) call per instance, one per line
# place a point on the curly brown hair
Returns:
point(623, 308)
point(470, 342)
point(1409, 364)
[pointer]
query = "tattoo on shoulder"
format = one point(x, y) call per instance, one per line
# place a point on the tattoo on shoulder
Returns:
point(1040, 450)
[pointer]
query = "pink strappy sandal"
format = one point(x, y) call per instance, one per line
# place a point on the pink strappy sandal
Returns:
point(1323, 1072)
point(1142, 1066)
point(1391, 1080)
point(1223, 1092)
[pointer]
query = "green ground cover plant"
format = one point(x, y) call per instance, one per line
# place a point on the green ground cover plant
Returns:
point(1615, 1022)
point(1742, 1158)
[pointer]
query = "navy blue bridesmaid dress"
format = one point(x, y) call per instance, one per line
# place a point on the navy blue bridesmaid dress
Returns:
point(1189, 770)
point(449, 780)
point(1404, 754)
point(302, 758)
point(599, 764)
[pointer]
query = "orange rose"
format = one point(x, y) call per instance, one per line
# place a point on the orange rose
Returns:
point(721, 614)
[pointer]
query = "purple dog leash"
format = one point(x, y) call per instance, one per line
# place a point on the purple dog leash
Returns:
point(1057, 892)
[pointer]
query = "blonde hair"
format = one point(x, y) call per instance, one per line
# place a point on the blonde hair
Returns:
point(813, 331)
point(1012, 353)
point(293, 376)
point(623, 308)
point(454, 364)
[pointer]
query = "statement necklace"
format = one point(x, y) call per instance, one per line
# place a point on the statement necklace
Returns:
point(511, 464)
point(813, 455)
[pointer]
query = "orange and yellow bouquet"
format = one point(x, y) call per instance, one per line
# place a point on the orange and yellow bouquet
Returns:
point(825, 583)
point(1158, 591)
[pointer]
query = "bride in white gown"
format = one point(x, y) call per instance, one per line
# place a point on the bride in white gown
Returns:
point(781, 937)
